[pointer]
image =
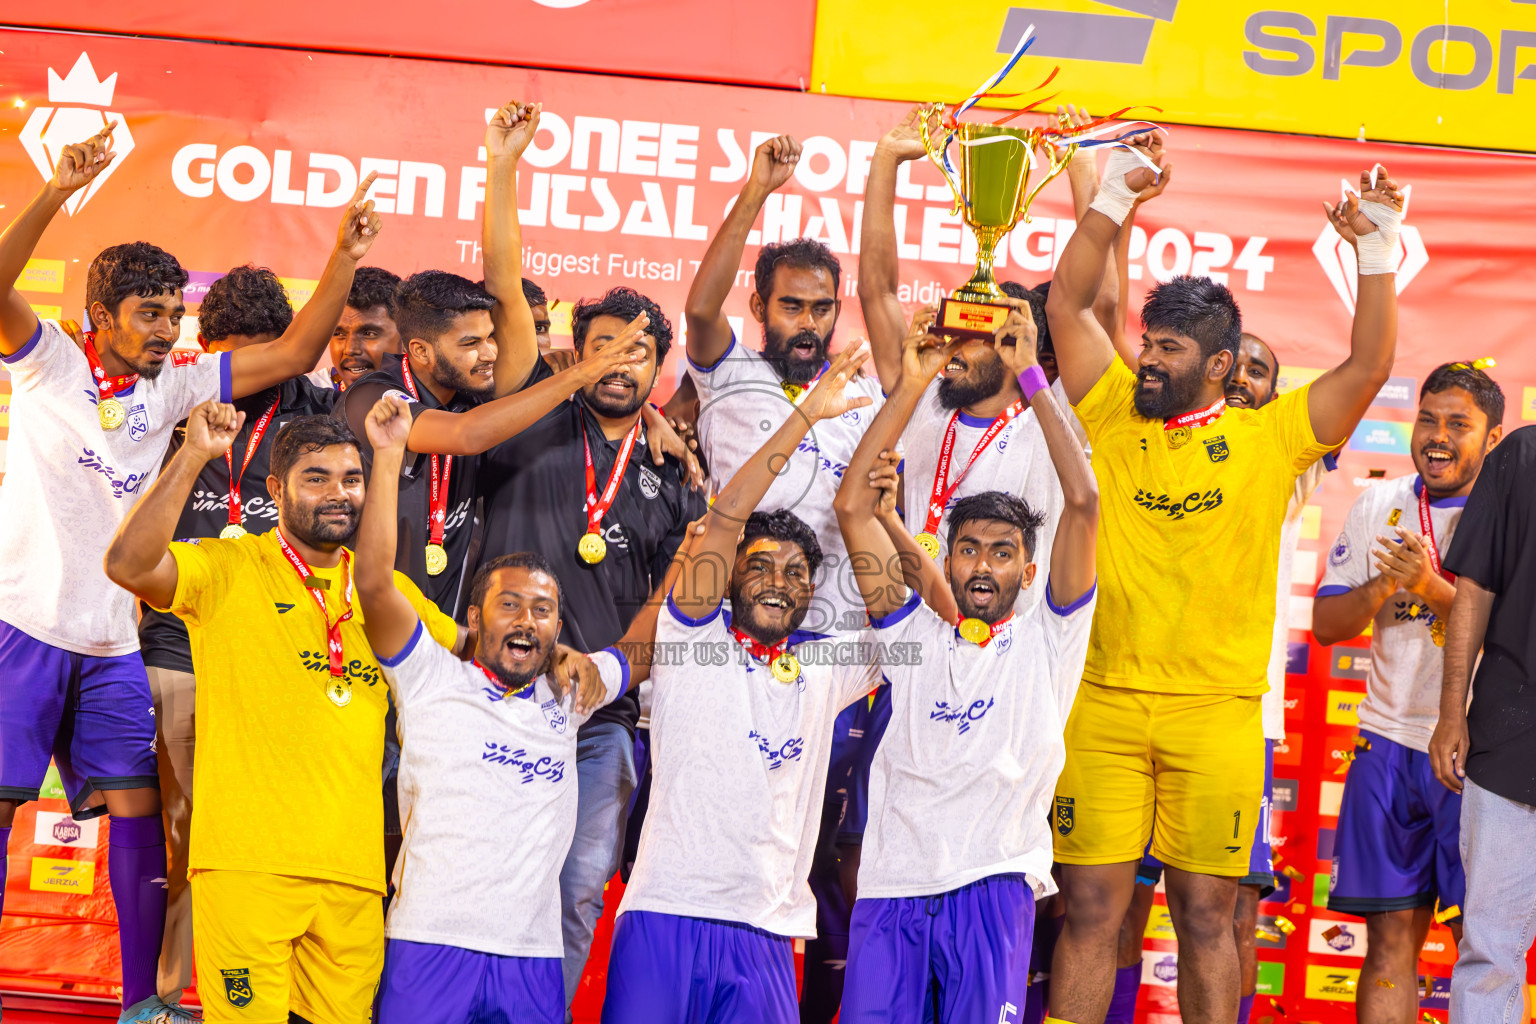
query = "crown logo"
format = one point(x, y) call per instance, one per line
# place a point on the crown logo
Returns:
point(81, 85)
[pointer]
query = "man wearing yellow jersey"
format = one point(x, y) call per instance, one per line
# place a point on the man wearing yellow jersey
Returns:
point(1165, 737)
point(287, 869)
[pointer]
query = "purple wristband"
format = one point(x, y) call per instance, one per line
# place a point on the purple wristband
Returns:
point(1032, 380)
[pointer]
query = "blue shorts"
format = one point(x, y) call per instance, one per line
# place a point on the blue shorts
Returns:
point(1397, 844)
point(93, 716)
point(430, 984)
point(954, 958)
point(865, 723)
point(689, 970)
point(1261, 863)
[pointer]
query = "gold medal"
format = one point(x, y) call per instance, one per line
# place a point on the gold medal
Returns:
point(1178, 437)
point(234, 531)
point(1394, 517)
point(976, 631)
point(437, 559)
point(110, 412)
point(1437, 632)
point(792, 391)
point(340, 691)
point(929, 543)
point(785, 668)
point(592, 548)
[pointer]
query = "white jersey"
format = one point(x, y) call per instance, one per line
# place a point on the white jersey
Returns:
point(69, 483)
point(1016, 461)
point(1272, 705)
point(961, 785)
point(741, 405)
point(740, 768)
point(321, 379)
point(487, 781)
point(1402, 695)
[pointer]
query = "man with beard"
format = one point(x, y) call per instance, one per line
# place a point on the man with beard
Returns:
point(287, 869)
point(247, 306)
point(741, 725)
point(92, 413)
point(744, 395)
point(958, 846)
point(1165, 738)
point(366, 332)
point(1396, 851)
point(497, 735)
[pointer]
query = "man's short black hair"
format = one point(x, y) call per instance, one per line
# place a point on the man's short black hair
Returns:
point(806, 253)
point(533, 293)
point(132, 268)
point(626, 304)
point(246, 301)
point(999, 506)
point(1036, 299)
point(1198, 308)
point(785, 526)
point(1485, 391)
point(428, 302)
point(304, 435)
point(530, 560)
point(374, 286)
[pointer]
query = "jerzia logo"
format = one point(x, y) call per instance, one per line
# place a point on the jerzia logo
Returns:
point(50, 129)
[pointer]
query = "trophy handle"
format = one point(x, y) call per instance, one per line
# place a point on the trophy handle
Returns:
point(1059, 160)
point(937, 153)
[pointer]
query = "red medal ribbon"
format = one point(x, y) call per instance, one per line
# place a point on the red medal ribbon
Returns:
point(106, 387)
point(495, 680)
point(760, 651)
point(943, 490)
point(332, 629)
point(996, 627)
point(236, 510)
point(597, 505)
point(1427, 527)
point(1199, 418)
point(437, 506)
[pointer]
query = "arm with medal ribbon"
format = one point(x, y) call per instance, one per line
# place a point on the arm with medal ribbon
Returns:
point(507, 136)
point(139, 558)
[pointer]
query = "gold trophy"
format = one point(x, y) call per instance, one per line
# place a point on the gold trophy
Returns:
point(992, 192)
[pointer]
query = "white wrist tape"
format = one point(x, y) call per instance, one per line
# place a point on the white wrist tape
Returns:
point(1115, 199)
point(1376, 252)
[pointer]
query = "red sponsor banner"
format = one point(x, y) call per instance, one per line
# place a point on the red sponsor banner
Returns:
point(231, 155)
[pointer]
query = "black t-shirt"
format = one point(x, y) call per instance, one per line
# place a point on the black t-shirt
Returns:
point(535, 489)
point(1495, 547)
point(163, 636)
point(416, 486)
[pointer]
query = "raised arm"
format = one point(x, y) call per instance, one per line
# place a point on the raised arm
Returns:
point(879, 265)
point(1072, 569)
point(709, 332)
point(388, 616)
point(1126, 347)
point(1370, 223)
point(919, 570)
point(508, 134)
point(1083, 348)
point(258, 367)
point(139, 558)
point(715, 552)
point(434, 431)
point(77, 167)
point(1083, 177)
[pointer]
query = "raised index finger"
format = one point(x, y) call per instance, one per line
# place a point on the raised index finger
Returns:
point(364, 186)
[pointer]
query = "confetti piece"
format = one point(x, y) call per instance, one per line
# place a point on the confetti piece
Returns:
point(1394, 517)
point(1332, 933)
point(1267, 934)
point(1274, 1004)
point(1350, 983)
point(1429, 1018)
point(1384, 983)
point(1298, 908)
point(1453, 911)
point(1284, 925)
point(1294, 874)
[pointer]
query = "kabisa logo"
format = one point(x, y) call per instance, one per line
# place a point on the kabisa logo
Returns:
point(1340, 937)
point(1166, 970)
point(50, 129)
point(1338, 257)
point(66, 832)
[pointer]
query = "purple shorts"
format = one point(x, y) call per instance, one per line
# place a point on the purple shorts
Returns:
point(1398, 840)
point(954, 958)
point(431, 984)
point(689, 970)
point(93, 716)
point(1261, 863)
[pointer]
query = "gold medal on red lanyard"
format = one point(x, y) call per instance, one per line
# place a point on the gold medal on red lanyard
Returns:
point(783, 665)
point(1178, 430)
point(109, 411)
point(1427, 527)
point(437, 496)
point(338, 688)
point(943, 490)
point(979, 632)
point(236, 527)
point(592, 548)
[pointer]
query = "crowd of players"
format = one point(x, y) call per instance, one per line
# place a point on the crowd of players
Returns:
point(917, 683)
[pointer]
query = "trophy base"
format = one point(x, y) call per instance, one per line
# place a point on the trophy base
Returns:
point(965, 318)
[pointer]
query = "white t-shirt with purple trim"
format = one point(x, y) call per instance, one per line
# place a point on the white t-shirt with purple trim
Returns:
point(739, 763)
point(487, 802)
point(962, 783)
point(69, 483)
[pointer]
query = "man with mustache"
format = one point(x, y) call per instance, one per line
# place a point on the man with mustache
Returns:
point(958, 846)
point(1395, 854)
point(741, 724)
point(366, 332)
point(494, 735)
point(92, 413)
point(1165, 738)
point(287, 869)
point(745, 394)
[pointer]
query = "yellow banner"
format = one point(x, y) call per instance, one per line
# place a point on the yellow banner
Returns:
point(1452, 72)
